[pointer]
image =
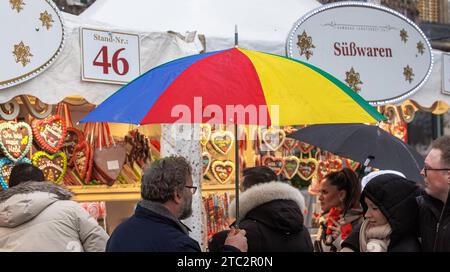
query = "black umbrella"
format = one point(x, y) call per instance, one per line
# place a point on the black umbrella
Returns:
point(359, 142)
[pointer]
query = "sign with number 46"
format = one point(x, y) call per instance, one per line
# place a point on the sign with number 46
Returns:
point(110, 57)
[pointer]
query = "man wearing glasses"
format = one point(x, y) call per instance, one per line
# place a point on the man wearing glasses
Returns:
point(434, 207)
point(166, 192)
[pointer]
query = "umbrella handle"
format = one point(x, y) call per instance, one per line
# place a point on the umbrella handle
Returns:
point(360, 176)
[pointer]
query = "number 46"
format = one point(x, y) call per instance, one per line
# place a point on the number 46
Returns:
point(103, 53)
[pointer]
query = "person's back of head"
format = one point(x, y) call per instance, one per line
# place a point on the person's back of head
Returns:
point(257, 175)
point(164, 177)
point(23, 172)
point(346, 180)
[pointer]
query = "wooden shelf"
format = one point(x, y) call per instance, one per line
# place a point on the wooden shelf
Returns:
point(116, 192)
point(127, 192)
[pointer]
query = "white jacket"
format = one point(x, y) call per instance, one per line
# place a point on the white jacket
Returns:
point(39, 216)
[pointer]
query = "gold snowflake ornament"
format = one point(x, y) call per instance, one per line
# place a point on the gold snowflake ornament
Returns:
point(408, 73)
point(22, 53)
point(46, 20)
point(404, 35)
point(420, 48)
point(305, 44)
point(17, 5)
point(353, 80)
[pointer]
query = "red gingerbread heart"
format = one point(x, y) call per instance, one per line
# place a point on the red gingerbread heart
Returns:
point(323, 169)
point(307, 168)
point(73, 138)
point(50, 132)
point(80, 159)
point(335, 165)
point(222, 170)
point(274, 163)
point(351, 164)
point(290, 143)
point(305, 147)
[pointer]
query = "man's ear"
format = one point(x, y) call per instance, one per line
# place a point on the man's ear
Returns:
point(177, 198)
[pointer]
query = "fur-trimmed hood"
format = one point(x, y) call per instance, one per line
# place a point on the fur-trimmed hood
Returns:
point(275, 204)
point(23, 202)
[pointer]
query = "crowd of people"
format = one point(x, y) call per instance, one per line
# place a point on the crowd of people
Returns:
point(383, 212)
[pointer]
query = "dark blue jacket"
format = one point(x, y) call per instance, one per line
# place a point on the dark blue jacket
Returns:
point(147, 230)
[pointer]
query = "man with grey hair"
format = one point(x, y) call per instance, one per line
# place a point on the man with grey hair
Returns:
point(166, 192)
point(434, 207)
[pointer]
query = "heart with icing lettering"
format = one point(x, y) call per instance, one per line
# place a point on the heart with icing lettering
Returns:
point(6, 165)
point(290, 144)
point(335, 165)
point(205, 133)
point(291, 165)
point(49, 132)
point(53, 166)
point(305, 147)
point(274, 163)
point(206, 162)
point(307, 168)
point(73, 138)
point(222, 141)
point(80, 159)
point(16, 139)
point(323, 169)
point(273, 138)
point(222, 170)
point(353, 165)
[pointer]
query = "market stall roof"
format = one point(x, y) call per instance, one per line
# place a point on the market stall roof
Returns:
point(431, 91)
point(63, 78)
point(262, 24)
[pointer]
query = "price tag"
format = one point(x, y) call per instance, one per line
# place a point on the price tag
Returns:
point(110, 57)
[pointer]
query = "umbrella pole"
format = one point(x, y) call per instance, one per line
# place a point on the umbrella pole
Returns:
point(236, 156)
point(236, 149)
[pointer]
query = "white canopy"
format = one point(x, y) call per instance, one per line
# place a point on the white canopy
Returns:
point(431, 91)
point(63, 78)
point(262, 24)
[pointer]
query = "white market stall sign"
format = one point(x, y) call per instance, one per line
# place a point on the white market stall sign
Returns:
point(110, 57)
point(446, 74)
point(32, 36)
point(379, 53)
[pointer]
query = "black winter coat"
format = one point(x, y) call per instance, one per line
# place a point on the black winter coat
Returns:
point(395, 197)
point(272, 216)
point(151, 231)
point(430, 210)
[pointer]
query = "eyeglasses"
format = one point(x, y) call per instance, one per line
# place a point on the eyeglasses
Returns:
point(434, 169)
point(193, 189)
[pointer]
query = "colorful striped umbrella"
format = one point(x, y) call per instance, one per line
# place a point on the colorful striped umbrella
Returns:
point(236, 86)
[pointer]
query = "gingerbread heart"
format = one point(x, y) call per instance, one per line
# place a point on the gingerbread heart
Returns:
point(273, 138)
point(305, 147)
point(109, 161)
point(80, 159)
point(307, 168)
point(73, 138)
point(335, 165)
point(351, 164)
point(6, 165)
point(16, 139)
point(323, 169)
point(205, 133)
point(206, 162)
point(222, 170)
point(54, 166)
point(290, 144)
point(291, 165)
point(222, 141)
point(274, 163)
point(50, 132)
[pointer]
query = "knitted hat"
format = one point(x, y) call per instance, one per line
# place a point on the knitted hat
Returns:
point(372, 175)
